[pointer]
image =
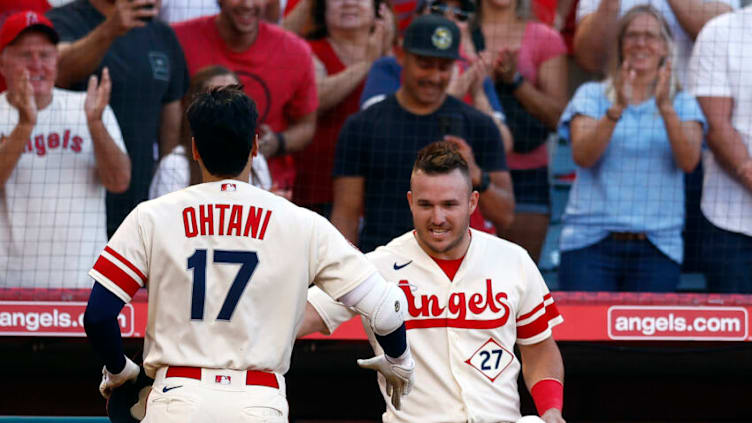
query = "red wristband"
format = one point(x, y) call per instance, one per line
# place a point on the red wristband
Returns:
point(547, 394)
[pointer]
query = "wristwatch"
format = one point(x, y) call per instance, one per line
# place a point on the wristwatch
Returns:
point(516, 82)
point(485, 182)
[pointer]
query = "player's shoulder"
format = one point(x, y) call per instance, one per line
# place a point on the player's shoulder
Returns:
point(493, 246)
point(397, 248)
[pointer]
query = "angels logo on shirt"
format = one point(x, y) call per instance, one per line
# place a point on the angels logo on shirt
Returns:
point(486, 310)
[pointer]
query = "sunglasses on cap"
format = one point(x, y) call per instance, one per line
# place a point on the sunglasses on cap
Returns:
point(438, 8)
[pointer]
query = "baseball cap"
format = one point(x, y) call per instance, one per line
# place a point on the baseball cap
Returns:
point(434, 36)
point(20, 22)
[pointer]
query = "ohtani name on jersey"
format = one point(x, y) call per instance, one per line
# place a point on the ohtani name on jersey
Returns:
point(227, 220)
point(41, 144)
point(426, 311)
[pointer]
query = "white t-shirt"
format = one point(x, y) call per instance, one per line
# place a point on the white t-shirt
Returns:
point(52, 209)
point(721, 66)
point(461, 332)
point(682, 40)
point(181, 10)
point(228, 266)
point(174, 173)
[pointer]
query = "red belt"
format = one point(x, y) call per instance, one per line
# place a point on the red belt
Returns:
point(252, 377)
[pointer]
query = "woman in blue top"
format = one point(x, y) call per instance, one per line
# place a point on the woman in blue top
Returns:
point(632, 136)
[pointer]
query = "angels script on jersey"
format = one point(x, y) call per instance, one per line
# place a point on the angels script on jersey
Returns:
point(41, 144)
point(227, 220)
point(458, 306)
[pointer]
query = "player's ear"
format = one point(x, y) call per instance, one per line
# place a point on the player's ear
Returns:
point(474, 198)
point(194, 150)
point(254, 149)
point(410, 199)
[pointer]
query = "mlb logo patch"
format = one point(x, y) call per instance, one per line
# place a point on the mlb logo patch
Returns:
point(229, 187)
point(222, 379)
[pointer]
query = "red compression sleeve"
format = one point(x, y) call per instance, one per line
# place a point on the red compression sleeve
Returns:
point(547, 394)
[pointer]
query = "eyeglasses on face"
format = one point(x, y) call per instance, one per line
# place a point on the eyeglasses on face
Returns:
point(438, 8)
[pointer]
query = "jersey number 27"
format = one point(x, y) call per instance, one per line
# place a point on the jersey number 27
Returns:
point(248, 260)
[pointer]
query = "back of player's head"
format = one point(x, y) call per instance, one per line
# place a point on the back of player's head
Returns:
point(441, 157)
point(223, 124)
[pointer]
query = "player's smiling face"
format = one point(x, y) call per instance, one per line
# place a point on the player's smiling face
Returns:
point(441, 206)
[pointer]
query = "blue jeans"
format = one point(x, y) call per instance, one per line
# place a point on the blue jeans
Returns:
point(727, 260)
point(617, 265)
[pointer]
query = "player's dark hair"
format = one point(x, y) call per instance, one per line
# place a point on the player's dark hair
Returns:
point(223, 124)
point(441, 157)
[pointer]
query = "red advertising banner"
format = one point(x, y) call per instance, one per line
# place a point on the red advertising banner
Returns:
point(601, 320)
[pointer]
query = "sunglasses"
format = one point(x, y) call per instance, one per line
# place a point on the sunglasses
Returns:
point(442, 8)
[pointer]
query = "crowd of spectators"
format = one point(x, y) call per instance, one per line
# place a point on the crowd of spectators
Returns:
point(92, 122)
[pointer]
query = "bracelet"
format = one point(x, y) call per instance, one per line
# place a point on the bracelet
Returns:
point(281, 145)
point(485, 182)
point(547, 394)
point(611, 118)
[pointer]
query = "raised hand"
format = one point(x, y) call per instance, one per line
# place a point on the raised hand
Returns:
point(505, 65)
point(376, 40)
point(623, 84)
point(129, 14)
point(663, 87)
point(97, 96)
point(21, 97)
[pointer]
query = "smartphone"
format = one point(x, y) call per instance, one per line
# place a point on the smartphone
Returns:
point(148, 7)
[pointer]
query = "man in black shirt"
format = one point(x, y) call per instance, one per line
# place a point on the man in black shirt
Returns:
point(377, 147)
point(149, 78)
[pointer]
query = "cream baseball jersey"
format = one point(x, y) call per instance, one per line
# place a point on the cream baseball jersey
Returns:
point(461, 332)
point(52, 209)
point(227, 267)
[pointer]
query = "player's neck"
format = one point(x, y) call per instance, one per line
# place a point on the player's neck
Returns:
point(243, 176)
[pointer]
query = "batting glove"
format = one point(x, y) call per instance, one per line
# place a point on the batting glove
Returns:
point(398, 373)
point(111, 381)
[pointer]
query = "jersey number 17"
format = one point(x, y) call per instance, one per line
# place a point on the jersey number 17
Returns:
point(248, 260)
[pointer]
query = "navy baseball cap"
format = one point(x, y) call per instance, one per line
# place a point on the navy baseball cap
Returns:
point(433, 36)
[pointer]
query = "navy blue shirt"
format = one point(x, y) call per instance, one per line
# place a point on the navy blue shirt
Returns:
point(381, 143)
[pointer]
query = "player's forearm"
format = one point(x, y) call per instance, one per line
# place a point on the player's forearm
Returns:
point(312, 322)
point(81, 58)
point(541, 361)
point(11, 149)
point(594, 36)
point(694, 14)
point(102, 329)
point(113, 165)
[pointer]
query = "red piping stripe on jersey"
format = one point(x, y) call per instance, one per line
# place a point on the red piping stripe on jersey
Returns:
point(538, 325)
point(117, 276)
point(456, 323)
point(125, 262)
point(535, 310)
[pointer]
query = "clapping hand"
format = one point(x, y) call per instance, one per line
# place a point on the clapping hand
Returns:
point(21, 96)
point(663, 86)
point(97, 96)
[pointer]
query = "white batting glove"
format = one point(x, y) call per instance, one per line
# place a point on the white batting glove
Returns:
point(111, 381)
point(398, 373)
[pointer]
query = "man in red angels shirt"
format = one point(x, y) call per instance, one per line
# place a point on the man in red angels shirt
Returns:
point(274, 66)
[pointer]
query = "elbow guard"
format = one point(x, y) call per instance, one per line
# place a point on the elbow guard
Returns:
point(382, 303)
